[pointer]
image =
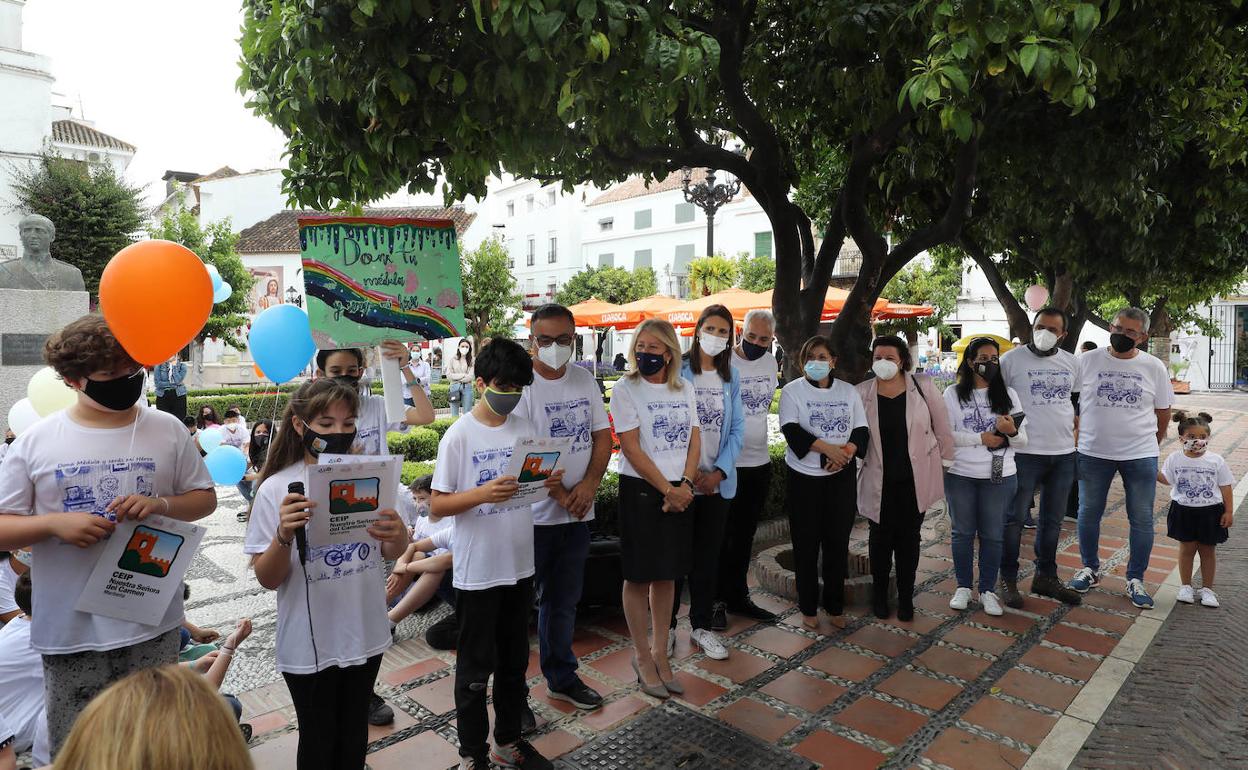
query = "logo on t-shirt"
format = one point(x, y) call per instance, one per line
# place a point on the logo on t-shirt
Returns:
point(711, 408)
point(1199, 486)
point(829, 418)
point(90, 487)
point(977, 417)
point(669, 424)
point(333, 562)
point(756, 394)
point(1119, 389)
point(1049, 386)
point(369, 441)
point(570, 419)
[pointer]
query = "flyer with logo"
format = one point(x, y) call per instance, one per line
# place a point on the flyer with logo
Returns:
point(350, 495)
point(140, 569)
point(533, 460)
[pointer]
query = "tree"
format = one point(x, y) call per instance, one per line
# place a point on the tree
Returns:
point(756, 273)
point(609, 284)
point(491, 298)
point(936, 284)
point(378, 96)
point(95, 212)
point(709, 275)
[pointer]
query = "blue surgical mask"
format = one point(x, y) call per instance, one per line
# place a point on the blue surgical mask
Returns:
point(817, 370)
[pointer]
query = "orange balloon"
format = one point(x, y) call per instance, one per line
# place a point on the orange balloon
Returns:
point(259, 373)
point(156, 296)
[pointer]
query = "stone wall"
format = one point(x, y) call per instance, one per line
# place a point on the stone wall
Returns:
point(26, 320)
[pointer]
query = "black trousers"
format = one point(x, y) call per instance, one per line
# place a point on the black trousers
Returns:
point(821, 515)
point(172, 403)
point(493, 639)
point(743, 512)
point(710, 516)
point(332, 709)
point(896, 538)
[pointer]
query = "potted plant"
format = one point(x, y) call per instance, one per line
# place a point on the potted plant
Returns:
point(1178, 367)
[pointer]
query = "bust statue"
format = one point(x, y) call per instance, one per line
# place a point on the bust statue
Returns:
point(36, 269)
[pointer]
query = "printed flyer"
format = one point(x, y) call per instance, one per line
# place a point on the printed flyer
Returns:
point(140, 569)
point(533, 460)
point(349, 497)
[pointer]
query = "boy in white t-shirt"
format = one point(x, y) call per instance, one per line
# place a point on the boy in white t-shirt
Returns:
point(422, 570)
point(66, 483)
point(493, 560)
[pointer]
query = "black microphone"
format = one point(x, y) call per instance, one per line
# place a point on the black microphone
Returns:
point(301, 535)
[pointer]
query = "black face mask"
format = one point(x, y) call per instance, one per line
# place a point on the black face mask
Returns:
point(117, 394)
point(1121, 342)
point(650, 364)
point(353, 382)
point(752, 352)
point(327, 443)
point(988, 370)
point(10, 439)
point(260, 439)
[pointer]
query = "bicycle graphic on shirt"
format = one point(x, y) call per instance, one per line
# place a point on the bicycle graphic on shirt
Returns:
point(1197, 485)
point(1049, 386)
point(354, 555)
point(829, 420)
point(1119, 389)
point(710, 409)
point(670, 424)
point(570, 419)
point(755, 395)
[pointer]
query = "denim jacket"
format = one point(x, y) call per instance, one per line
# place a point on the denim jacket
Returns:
point(170, 379)
point(732, 436)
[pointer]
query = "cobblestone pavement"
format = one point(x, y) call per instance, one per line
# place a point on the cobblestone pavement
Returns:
point(959, 690)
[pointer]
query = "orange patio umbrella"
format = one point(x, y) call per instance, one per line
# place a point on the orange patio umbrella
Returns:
point(648, 307)
point(738, 301)
point(597, 314)
point(895, 310)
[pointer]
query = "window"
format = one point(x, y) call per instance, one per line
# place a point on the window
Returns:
point(530, 290)
point(682, 287)
point(684, 255)
point(511, 208)
point(641, 219)
point(606, 260)
point(511, 254)
point(531, 258)
point(762, 244)
point(606, 225)
point(552, 288)
point(684, 213)
point(552, 250)
point(528, 203)
point(642, 258)
point(550, 197)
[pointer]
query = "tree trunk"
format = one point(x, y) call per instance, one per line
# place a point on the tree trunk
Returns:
point(1159, 329)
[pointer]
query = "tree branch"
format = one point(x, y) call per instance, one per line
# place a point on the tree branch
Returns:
point(945, 229)
point(1020, 326)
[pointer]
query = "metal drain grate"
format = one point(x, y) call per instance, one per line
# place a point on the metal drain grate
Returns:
point(676, 738)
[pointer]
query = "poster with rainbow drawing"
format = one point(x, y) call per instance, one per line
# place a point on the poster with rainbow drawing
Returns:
point(369, 279)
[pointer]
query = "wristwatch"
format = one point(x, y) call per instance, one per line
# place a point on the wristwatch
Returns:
point(686, 481)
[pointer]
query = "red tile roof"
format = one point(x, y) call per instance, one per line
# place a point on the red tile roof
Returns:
point(73, 132)
point(636, 187)
point(279, 234)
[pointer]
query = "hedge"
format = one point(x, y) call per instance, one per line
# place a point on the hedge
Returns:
point(413, 471)
point(417, 444)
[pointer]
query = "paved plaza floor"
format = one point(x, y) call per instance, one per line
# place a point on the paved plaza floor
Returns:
point(1049, 686)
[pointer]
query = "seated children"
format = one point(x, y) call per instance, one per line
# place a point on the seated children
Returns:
point(21, 671)
point(422, 562)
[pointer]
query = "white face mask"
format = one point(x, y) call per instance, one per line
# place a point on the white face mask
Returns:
point(885, 369)
point(1044, 340)
point(554, 356)
point(712, 345)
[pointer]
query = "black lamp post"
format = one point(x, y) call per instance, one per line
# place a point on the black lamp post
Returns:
point(709, 197)
point(292, 297)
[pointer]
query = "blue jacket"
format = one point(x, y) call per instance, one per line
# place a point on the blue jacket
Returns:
point(732, 436)
point(167, 380)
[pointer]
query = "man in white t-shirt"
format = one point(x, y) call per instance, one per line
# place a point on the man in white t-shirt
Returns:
point(1046, 379)
point(757, 369)
point(564, 402)
point(67, 481)
point(1123, 415)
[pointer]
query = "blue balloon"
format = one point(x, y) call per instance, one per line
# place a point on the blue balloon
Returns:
point(222, 293)
point(216, 277)
point(281, 342)
point(226, 465)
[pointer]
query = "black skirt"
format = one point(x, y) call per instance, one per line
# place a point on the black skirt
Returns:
point(1201, 524)
point(654, 545)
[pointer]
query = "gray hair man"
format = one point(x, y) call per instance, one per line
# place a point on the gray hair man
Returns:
point(1124, 412)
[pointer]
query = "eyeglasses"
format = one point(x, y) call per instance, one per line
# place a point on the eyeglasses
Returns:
point(1132, 333)
point(545, 342)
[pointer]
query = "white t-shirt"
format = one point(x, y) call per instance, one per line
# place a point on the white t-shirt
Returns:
point(21, 671)
point(233, 434)
point(4, 450)
point(1116, 403)
point(829, 414)
point(568, 407)
point(8, 581)
point(975, 417)
point(59, 465)
point(758, 389)
point(664, 419)
point(425, 528)
point(1197, 481)
point(344, 587)
point(708, 388)
point(371, 425)
point(1044, 385)
point(493, 543)
point(407, 506)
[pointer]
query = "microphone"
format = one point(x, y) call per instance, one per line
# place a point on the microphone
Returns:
point(301, 535)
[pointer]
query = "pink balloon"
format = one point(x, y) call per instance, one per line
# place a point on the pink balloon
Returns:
point(1036, 295)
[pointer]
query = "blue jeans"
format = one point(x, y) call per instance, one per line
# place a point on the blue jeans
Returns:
point(465, 398)
point(559, 553)
point(1139, 481)
point(1054, 474)
point(977, 509)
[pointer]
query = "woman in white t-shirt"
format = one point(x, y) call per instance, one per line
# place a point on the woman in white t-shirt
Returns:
point(331, 609)
point(348, 365)
point(656, 417)
point(980, 485)
point(826, 428)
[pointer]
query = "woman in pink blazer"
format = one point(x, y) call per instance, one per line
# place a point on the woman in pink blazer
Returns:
point(902, 474)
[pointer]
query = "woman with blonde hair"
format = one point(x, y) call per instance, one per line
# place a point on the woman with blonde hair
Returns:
point(174, 720)
point(656, 417)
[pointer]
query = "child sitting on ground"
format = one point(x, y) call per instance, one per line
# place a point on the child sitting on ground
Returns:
point(234, 431)
point(428, 566)
point(1201, 504)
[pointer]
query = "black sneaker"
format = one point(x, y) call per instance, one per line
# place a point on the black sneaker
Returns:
point(520, 754)
point(719, 616)
point(1050, 586)
point(379, 712)
point(1010, 595)
point(528, 720)
point(444, 634)
point(580, 695)
point(747, 608)
point(478, 762)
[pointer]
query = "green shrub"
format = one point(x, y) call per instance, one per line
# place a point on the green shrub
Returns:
point(413, 471)
point(417, 445)
point(607, 505)
point(255, 405)
point(440, 426)
point(773, 508)
point(440, 395)
point(775, 403)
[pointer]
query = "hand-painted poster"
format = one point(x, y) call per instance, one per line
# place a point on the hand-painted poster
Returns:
point(369, 279)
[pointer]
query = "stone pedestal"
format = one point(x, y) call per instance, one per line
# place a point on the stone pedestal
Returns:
point(27, 318)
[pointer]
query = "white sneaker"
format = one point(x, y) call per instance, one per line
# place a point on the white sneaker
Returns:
point(992, 605)
point(1186, 595)
point(709, 642)
point(961, 599)
point(1208, 597)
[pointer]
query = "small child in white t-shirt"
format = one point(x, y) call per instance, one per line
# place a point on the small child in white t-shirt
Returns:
point(1201, 504)
point(234, 430)
point(423, 568)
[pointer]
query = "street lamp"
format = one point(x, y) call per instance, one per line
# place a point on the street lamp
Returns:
point(292, 297)
point(709, 197)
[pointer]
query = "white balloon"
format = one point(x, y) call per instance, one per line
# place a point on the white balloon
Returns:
point(22, 415)
point(47, 393)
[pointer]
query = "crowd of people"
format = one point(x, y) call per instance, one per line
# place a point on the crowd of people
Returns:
point(694, 472)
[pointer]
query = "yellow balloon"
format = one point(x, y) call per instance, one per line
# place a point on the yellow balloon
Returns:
point(48, 394)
